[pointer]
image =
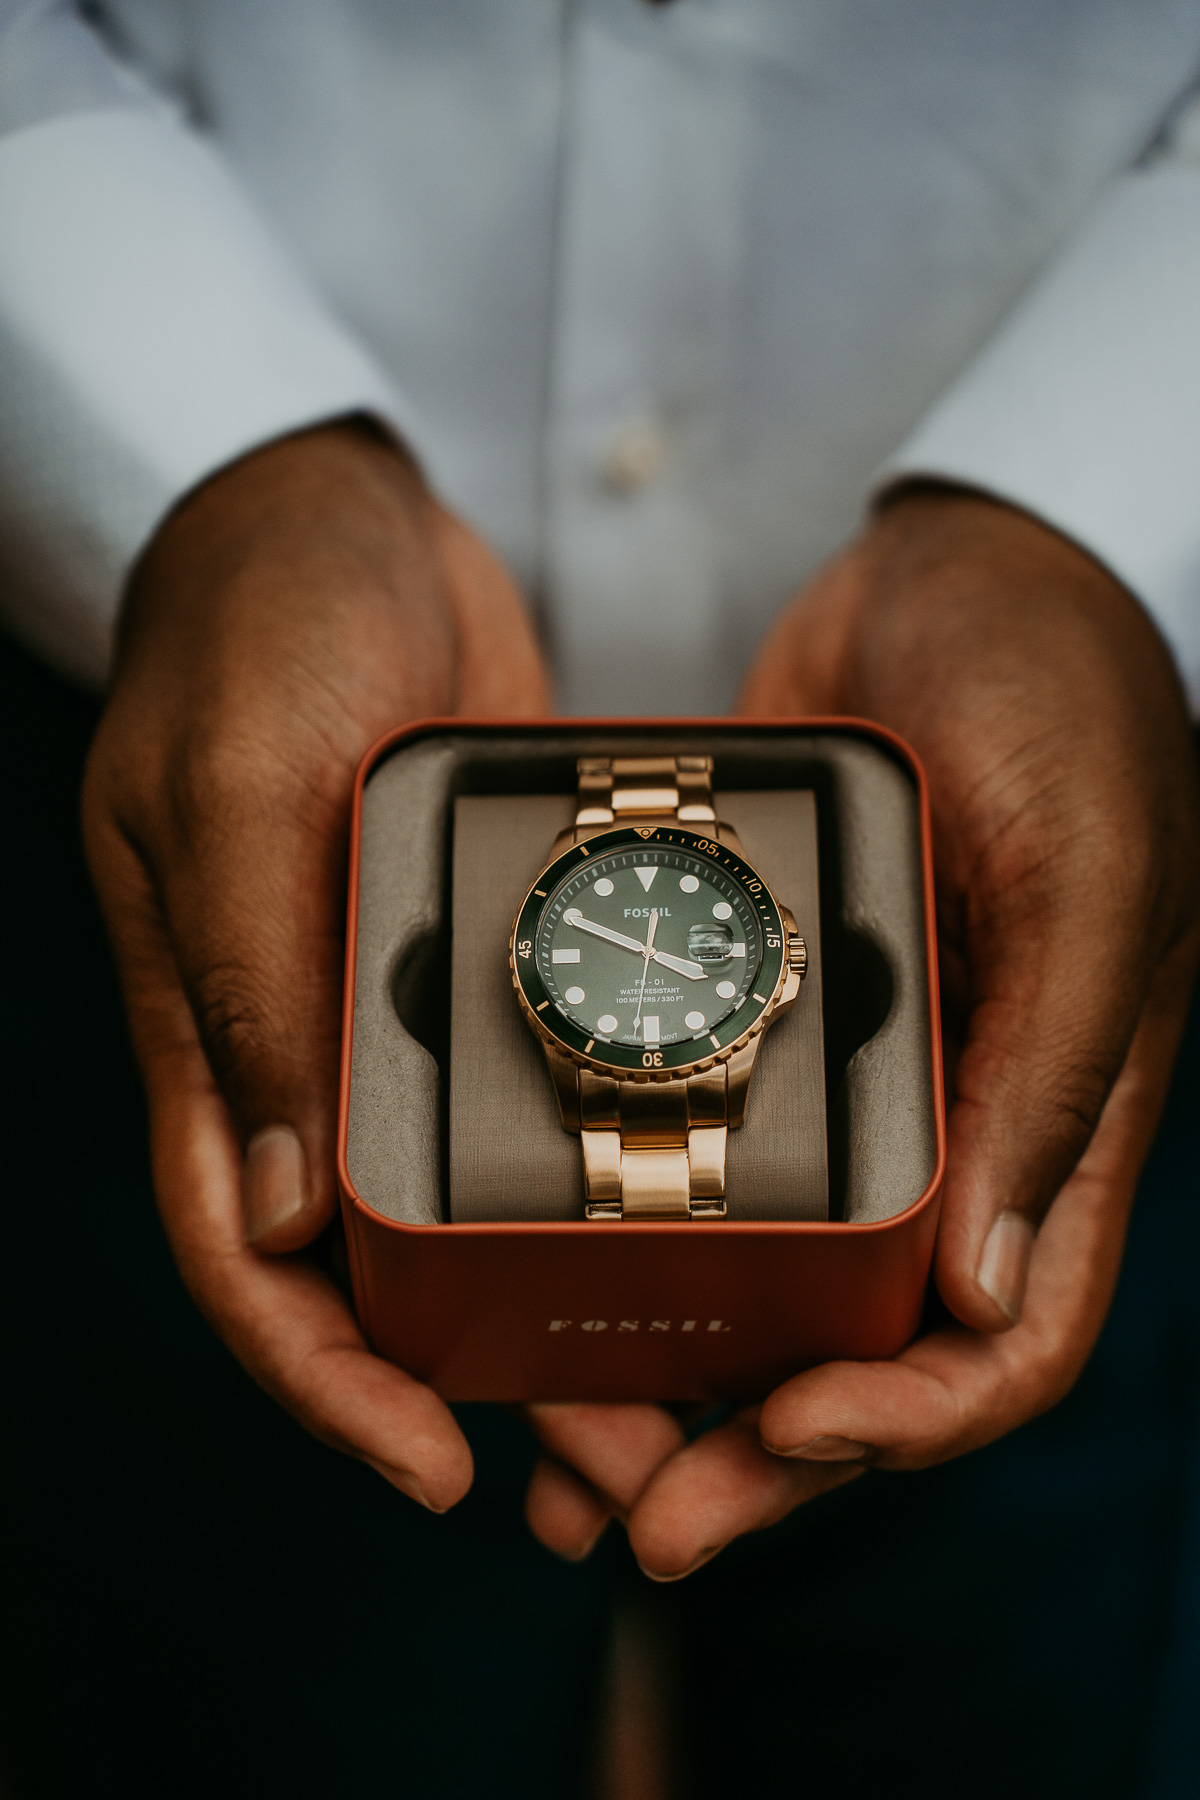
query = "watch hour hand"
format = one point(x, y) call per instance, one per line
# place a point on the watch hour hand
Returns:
point(681, 966)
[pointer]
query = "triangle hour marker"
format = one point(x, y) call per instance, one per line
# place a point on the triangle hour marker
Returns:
point(645, 831)
point(646, 876)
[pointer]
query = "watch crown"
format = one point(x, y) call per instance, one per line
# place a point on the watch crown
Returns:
point(798, 956)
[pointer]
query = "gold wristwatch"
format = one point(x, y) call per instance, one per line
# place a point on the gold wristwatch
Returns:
point(649, 958)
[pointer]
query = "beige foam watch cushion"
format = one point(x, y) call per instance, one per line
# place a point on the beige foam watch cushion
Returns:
point(510, 1158)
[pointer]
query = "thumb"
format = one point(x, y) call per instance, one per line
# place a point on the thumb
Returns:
point(500, 670)
point(1048, 1035)
point(800, 666)
point(249, 887)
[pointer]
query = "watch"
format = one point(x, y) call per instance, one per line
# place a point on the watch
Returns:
point(648, 958)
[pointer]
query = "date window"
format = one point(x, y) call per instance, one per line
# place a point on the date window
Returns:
point(710, 943)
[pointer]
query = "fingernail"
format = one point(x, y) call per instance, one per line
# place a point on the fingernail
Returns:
point(1004, 1266)
point(582, 1553)
point(406, 1482)
point(274, 1181)
point(827, 1449)
point(681, 1574)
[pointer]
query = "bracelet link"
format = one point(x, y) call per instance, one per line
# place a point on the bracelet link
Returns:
point(654, 1150)
point(613, 789)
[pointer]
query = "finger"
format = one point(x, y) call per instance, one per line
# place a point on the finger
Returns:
point(1046, 1040)
point(1064, 834)
point(800, 668)
point(563, 1512)
point(285, 1322)
point(957, 1389)
point(256, 932)
point(501, 671)
point(255, 955)
point(615, 1449)
point(283, 1319)
point(716, 1489)
point(950, 1392)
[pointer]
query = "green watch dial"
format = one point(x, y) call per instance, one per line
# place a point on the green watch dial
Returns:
point(649, 951)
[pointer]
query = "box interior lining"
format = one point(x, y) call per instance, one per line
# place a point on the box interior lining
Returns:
point(880, 1103)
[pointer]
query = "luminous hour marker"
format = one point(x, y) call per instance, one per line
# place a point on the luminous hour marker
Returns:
point(722, 910)
point(737, 950)
point(575, 996)
point(606, 1023)
point(645, 876)
point(564, 956)
point(688, 883)
point(726, 989)
point(693, 1020)
point(603, 887)
point(650, 1029)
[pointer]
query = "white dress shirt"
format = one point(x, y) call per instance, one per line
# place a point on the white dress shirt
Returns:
point(657, 293)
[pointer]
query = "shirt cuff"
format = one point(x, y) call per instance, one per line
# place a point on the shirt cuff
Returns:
point(1084, 409)
point(150, 332)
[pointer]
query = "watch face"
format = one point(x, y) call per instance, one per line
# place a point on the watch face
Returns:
point(648, 951)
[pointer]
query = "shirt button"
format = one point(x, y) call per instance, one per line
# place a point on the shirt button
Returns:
point(635, 457)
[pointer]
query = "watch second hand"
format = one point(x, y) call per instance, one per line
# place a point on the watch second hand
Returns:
point(678, 964)
point(646, 955)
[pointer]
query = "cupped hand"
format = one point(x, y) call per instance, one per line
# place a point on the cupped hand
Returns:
point(290, 611)
point(1063, 787)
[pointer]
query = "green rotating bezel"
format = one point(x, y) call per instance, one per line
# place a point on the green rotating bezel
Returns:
point(629, 1058)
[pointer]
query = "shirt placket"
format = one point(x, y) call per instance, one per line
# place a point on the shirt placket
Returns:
point(646, 288)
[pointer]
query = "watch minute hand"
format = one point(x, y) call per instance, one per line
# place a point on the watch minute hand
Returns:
point(680, 965)
point(574, 917)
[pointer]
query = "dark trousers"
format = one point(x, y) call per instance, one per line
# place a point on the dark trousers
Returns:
point(197, 1599)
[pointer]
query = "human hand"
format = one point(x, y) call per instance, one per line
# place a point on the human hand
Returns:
point(290, 611)
point(1063, 788)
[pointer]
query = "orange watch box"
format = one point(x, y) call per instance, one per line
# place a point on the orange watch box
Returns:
point(525, 1308)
